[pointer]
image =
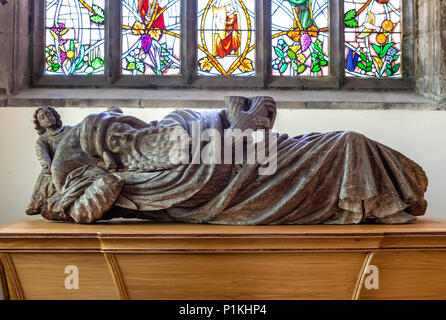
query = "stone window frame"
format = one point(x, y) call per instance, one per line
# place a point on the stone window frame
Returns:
point(189, 79)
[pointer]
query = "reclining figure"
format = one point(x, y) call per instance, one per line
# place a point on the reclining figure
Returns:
point(112, 165)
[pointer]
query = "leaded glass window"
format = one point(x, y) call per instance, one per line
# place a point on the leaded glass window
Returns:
point(300, 37)
point(226, 37)
point(250, 43)
point(151, 37)
point(373, 38)
point(74, 37)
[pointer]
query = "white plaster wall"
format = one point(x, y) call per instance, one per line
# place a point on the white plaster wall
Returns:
point(421, 135)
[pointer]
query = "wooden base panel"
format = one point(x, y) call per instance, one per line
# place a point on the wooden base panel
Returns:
point(140, 260)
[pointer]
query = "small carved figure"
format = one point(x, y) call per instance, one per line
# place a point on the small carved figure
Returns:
point(112, 165)
point(48, 125)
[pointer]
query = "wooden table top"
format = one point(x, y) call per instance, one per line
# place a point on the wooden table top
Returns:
point(129, 229)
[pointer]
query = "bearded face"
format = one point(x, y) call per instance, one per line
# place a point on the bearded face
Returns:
point(145, 149)
point(119, 137)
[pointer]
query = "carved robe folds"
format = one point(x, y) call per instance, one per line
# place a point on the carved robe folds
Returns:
point(112, 165)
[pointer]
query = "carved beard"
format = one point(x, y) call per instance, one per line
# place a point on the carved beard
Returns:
point(135, 161)
point(149, 150)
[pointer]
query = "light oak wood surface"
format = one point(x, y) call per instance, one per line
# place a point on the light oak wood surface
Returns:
point(40, 227)
point(143, 260)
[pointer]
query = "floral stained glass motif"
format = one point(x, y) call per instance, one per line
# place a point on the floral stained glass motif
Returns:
point(74, 37)
point(151, 37)
point(226, 37)
point(300, 38)
point(373, 38)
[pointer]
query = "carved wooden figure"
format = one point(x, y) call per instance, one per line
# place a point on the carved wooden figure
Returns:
point(206, 168)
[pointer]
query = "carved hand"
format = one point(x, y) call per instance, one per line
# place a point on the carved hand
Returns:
point(256, 113)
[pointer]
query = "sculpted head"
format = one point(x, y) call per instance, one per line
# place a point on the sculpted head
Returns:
point(119, 137)
point(109, 131)
point(46, 118)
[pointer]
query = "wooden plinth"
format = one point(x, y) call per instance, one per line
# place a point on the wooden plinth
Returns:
point(134, 260)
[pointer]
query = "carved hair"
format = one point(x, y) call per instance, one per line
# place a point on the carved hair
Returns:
point(41, 130)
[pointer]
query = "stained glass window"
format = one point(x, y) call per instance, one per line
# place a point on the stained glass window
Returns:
point(226, 37)
point(74, 36)
point(373, 38)
point(151, 37)
point(300, 40)
point(77, 39)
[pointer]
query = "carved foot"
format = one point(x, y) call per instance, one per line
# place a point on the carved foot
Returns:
point(345, 217)
point(401, 217)
point(33, 211)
